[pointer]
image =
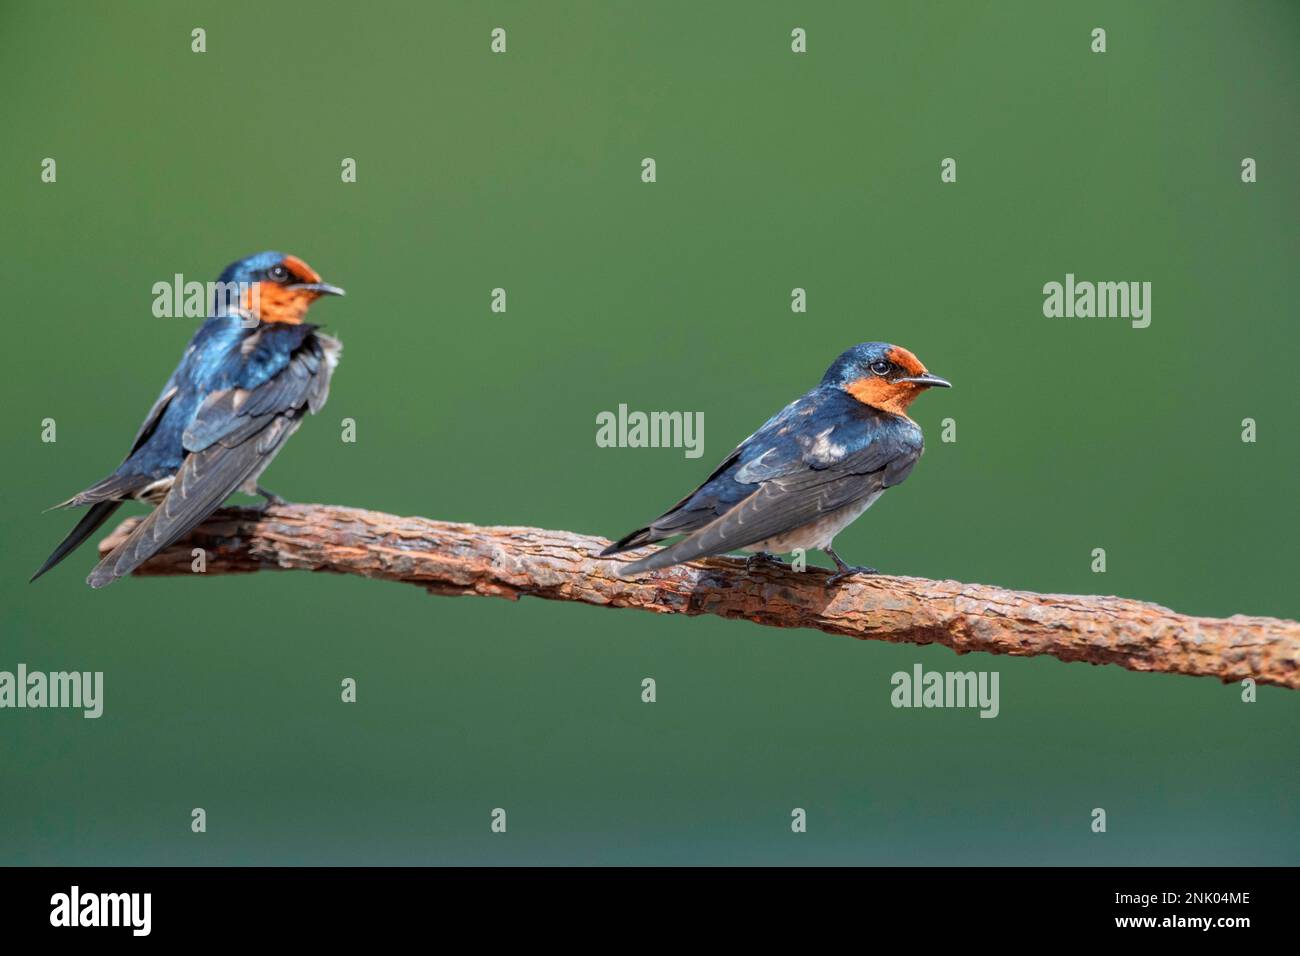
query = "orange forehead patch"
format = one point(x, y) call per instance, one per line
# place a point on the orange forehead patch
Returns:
point(892, 397)
point(301, 269)
point(905, 360)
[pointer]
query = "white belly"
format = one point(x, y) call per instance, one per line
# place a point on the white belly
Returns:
point(816, 534)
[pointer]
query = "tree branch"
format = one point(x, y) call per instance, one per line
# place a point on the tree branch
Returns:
point(452, 559)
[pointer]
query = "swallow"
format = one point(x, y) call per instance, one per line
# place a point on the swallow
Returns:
point(251, 372)
point(809, 472)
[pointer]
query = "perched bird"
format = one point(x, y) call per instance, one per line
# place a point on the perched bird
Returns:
point(809, 472)
point(251, 372)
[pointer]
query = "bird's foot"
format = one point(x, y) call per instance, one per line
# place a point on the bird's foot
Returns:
point(844, 570)
point(763, 558)
point(272, 499)
point(848, 571)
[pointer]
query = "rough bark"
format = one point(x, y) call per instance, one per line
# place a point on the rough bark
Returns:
point(453, 559)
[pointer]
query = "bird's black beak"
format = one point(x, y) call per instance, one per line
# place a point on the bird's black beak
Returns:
point(933, 381)
point(320, 288)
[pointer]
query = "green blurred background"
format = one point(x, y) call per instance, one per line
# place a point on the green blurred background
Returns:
point(775, 170)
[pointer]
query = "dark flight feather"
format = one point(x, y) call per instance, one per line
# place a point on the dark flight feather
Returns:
point(92, 519)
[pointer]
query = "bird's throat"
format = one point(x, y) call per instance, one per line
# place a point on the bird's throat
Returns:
point(881, 394)
point(274, 303)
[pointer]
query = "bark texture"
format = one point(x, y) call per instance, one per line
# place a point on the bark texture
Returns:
point(447, 558)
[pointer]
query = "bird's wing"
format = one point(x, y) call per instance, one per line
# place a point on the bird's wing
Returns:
point(234, 435)
point(155, 415)
point(697, 509)
point(723, 489)
point(787, 492)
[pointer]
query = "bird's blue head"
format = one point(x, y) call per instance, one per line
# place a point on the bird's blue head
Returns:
point(884, 376)
point(272, 286)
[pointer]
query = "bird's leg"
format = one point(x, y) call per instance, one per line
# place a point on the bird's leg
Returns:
point(271, 497)
point(844, 570)
point(759, 558)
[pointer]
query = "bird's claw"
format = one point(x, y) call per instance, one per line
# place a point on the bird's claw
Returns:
point(272, 499)
point(848, 572)
point(760, 558)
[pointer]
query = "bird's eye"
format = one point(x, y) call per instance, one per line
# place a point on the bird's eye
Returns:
point(880, 368)
point(279, 273)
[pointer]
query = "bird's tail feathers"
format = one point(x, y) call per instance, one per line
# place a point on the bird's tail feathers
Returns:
point(91, 520)
point(636, 539)
point(116, 485)
point(684, 550)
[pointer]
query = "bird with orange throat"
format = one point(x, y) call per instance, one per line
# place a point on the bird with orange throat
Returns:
point(249, 375)
point(808, 473)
